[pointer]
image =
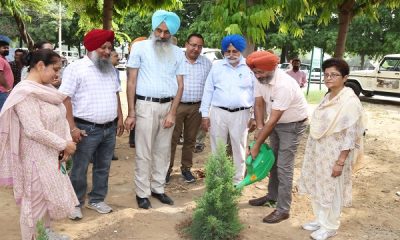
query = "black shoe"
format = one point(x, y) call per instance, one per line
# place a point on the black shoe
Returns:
point(262, 201)
point(199, 147)
point(114, 157)
point(163, 198)
point(143, 202)
point(168, 177)
point(188, 176)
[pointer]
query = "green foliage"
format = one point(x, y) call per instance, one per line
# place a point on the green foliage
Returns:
point(91, 12)
point(41, 231)
point(216, 215)
point(315, 97)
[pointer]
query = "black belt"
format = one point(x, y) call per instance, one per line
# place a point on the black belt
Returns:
point(301, 121)
point(191, 103)
point(103, 125)
point(152, 99)
point(234, 109)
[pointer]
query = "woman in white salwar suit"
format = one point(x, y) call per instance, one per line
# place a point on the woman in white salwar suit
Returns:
point(336, 131)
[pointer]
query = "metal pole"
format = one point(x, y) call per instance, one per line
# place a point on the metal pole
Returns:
point(59, 29)
point(309, 75)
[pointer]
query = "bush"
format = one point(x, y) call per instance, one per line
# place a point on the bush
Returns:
point(216, 215)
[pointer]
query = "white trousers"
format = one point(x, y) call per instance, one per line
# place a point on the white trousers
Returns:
point(328, 217)
point(153, 147)
point(235, 124)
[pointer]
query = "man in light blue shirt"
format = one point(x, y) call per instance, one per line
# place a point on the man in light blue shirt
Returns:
point(227, 99)
point(156, 82)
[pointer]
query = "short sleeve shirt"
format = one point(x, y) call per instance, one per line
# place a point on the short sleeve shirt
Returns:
point(8, 75)
point(283, 94)
point(156, 77)
point(93, 93)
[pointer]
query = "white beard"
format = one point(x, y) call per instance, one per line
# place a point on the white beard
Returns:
point(104, 65)
point(164, 50)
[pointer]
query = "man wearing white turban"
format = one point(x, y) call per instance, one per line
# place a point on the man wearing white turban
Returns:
point(156, 81)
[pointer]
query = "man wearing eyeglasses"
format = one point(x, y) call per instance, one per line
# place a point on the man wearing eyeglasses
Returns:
point(227, 99)
point(188, 116)
point(156, 82)
point(279, 95)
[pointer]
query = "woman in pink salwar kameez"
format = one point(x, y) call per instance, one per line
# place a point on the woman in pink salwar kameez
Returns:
point(33, 133)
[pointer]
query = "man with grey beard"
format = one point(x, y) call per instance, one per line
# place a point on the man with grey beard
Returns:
point(279, 95)
point(95, 117)
point(156, 82)
point(227, 99)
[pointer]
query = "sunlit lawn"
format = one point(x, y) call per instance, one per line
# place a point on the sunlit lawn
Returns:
point(315, 96)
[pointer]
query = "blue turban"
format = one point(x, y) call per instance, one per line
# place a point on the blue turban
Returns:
point(236, 40)
point(5, 39)
point(171, 19)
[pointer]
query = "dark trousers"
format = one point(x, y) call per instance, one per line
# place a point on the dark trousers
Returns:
point(188, 117)
point(99, 145)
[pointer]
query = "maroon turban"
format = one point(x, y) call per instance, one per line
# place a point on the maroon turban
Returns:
point(262, 60)
point(96, 38)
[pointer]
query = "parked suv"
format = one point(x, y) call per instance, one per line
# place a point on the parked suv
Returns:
point(383, 80)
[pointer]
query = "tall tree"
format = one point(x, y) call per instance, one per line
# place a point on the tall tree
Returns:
point(19, 10)
point(113, 12)
point(251, 18)
point(346, 10)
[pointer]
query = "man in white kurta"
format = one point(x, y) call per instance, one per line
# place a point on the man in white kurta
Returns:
point(228, 97)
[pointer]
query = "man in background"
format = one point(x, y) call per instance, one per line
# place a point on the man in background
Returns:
point(188, 116)
point(17, 65)
point(297, 74)
point(6, 75)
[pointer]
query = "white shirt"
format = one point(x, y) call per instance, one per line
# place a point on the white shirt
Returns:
point(155, 78)
point(195, 79)
point(228, 86)
point(283, 94)
point(93, 93)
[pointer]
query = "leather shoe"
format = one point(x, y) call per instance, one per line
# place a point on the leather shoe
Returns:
point(143, 202)
point(276, 217)
point(259, 201)
point(163, 198)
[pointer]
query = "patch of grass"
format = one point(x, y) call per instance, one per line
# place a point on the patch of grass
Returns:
point(41, 231)
point(315, 97)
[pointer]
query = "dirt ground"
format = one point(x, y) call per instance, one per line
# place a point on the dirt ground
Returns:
point(374, 215)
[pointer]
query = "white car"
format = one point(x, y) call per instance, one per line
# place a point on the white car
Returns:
point(303, 67)
point(316, 76)
point(121, 65)
point(383, 80)
point(213, 54)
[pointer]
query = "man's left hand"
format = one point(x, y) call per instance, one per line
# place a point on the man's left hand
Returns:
point(169, 120)
point(120, 127)
point(251, 125)
point(254, 151)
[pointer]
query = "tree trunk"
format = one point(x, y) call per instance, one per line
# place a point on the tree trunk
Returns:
point(284, 54)
point(345, 16)
point(107, 14)
point(250, 47)
point(23, 33)
point(362, 56)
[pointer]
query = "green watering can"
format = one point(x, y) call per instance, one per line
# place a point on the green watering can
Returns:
point(258, 169)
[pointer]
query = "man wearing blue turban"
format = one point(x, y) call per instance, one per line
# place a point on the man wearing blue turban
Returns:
point(155, 80)
point(227, 99)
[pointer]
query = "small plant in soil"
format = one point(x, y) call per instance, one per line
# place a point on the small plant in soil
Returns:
point(217, 214)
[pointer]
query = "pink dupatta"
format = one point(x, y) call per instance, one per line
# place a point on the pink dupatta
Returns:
point(11, 170)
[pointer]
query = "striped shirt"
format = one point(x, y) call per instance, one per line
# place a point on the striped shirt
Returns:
point(195, 79)
point(228, 86)
point(92, 92)
point(155, 78)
